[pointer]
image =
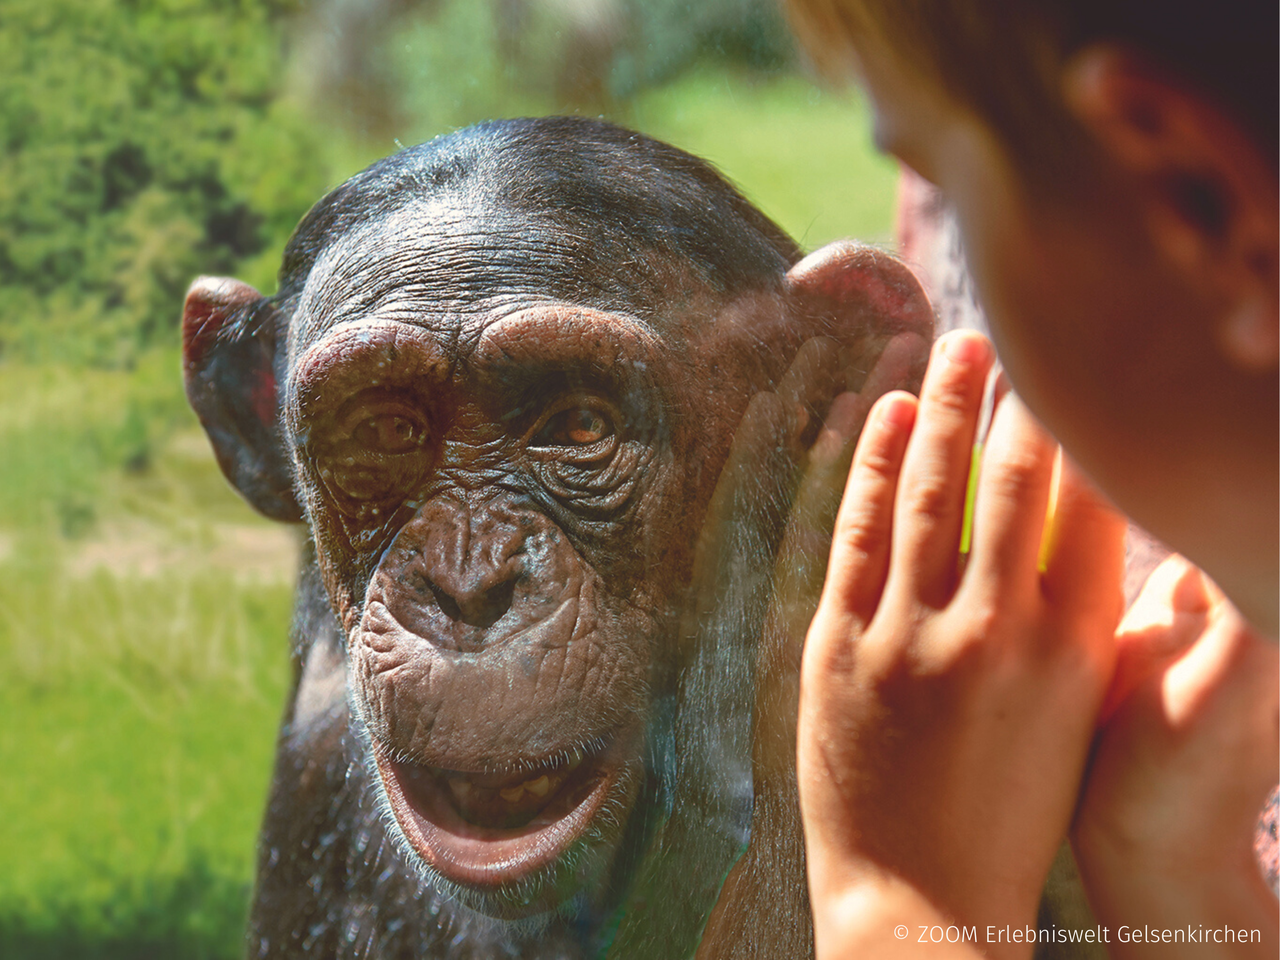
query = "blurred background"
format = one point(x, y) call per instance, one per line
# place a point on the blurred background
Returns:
point(143, 608)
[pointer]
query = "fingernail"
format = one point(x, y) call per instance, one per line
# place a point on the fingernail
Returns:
point(898, 410)
point(1001, 386)
point(842, 418)
point(1190, 593)
point(966, 347)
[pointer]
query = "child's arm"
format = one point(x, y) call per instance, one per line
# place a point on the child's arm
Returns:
point(946, 717)
point(1186, 755)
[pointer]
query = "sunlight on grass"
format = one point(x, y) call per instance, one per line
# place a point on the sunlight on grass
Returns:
point(139, 709)
point(803, 155)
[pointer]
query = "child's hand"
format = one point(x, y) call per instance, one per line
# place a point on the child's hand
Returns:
point(1185, 758)
point(945, 717)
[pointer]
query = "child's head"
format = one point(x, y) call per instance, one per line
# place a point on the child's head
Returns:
point(1112, 165)
point(1003, 58)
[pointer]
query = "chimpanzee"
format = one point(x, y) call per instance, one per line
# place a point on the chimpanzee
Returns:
point(566, 419)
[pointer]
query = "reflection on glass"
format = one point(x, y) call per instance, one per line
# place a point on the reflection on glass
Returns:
point(144, 607)
point(567, 419)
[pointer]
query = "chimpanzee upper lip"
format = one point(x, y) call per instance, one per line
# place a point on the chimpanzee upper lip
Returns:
point(488, 830)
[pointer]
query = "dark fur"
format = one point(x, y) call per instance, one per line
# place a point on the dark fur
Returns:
point(474, 226)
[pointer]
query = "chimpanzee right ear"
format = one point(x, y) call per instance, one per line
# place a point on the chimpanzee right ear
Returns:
point(228, 352)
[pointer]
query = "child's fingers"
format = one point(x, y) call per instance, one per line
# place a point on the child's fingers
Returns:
point(812, 375)
point(864, 525)
point(902, 354)
point(1174, 588)
point(1084, 559)
point(930, 508)
point(1227, 679)
point(827, 474)
point(832, 449)
point(1166, 618)
point(1013, 490)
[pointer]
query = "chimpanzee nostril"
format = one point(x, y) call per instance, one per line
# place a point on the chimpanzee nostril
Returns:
point(477, 608)
point(470, 558)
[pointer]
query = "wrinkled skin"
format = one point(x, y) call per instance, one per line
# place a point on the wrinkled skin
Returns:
point(552, 428)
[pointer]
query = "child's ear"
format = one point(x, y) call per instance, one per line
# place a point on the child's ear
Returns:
point(1208, 189)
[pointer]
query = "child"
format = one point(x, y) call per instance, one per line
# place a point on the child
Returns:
point(1112, 167)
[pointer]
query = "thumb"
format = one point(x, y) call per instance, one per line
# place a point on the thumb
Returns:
point(1170, 613)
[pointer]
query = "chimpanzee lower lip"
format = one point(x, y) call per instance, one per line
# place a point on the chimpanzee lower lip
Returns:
point(474, 844)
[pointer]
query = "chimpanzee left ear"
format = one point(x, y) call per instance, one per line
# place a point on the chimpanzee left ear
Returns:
point(228, 352)
point(855, 287)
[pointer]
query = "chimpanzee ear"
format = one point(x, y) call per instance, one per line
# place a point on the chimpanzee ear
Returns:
point(228, 352)
point(847, 287)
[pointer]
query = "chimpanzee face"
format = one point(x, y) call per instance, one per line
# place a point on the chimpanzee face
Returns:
point(505, 422)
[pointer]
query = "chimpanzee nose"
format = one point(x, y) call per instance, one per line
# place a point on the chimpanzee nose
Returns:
point(481, 605)
point(471, 560)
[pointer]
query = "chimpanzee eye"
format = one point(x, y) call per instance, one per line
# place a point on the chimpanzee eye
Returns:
point(575, 427)
point(376, 452)
point(389, 433)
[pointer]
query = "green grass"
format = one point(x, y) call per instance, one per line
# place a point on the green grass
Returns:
point(142, 676)
point(803, 155)
point(144, 609)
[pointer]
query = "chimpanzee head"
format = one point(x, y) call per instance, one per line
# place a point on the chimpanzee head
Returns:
point(499, 382)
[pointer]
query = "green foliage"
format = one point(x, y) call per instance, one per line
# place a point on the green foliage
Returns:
point(194, 914)
point(64, 431)
point(804, 156)
point(388, 69)
point(143, 143)
point(671, 36)
point(143, 675)
point(458, 61)
point(451, 70)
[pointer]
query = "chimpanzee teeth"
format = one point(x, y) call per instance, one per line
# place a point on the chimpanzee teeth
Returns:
point(538, 787)
point(472, 797)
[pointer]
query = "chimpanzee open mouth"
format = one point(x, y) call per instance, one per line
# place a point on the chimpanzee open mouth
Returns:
point(487, 830)
point(495, 801)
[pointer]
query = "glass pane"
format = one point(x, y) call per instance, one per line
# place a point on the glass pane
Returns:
point(579, 450)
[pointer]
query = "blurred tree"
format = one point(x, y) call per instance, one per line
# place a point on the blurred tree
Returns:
point(142, 141)
point(340, 64)
point(409, 68)
point(672, 35)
